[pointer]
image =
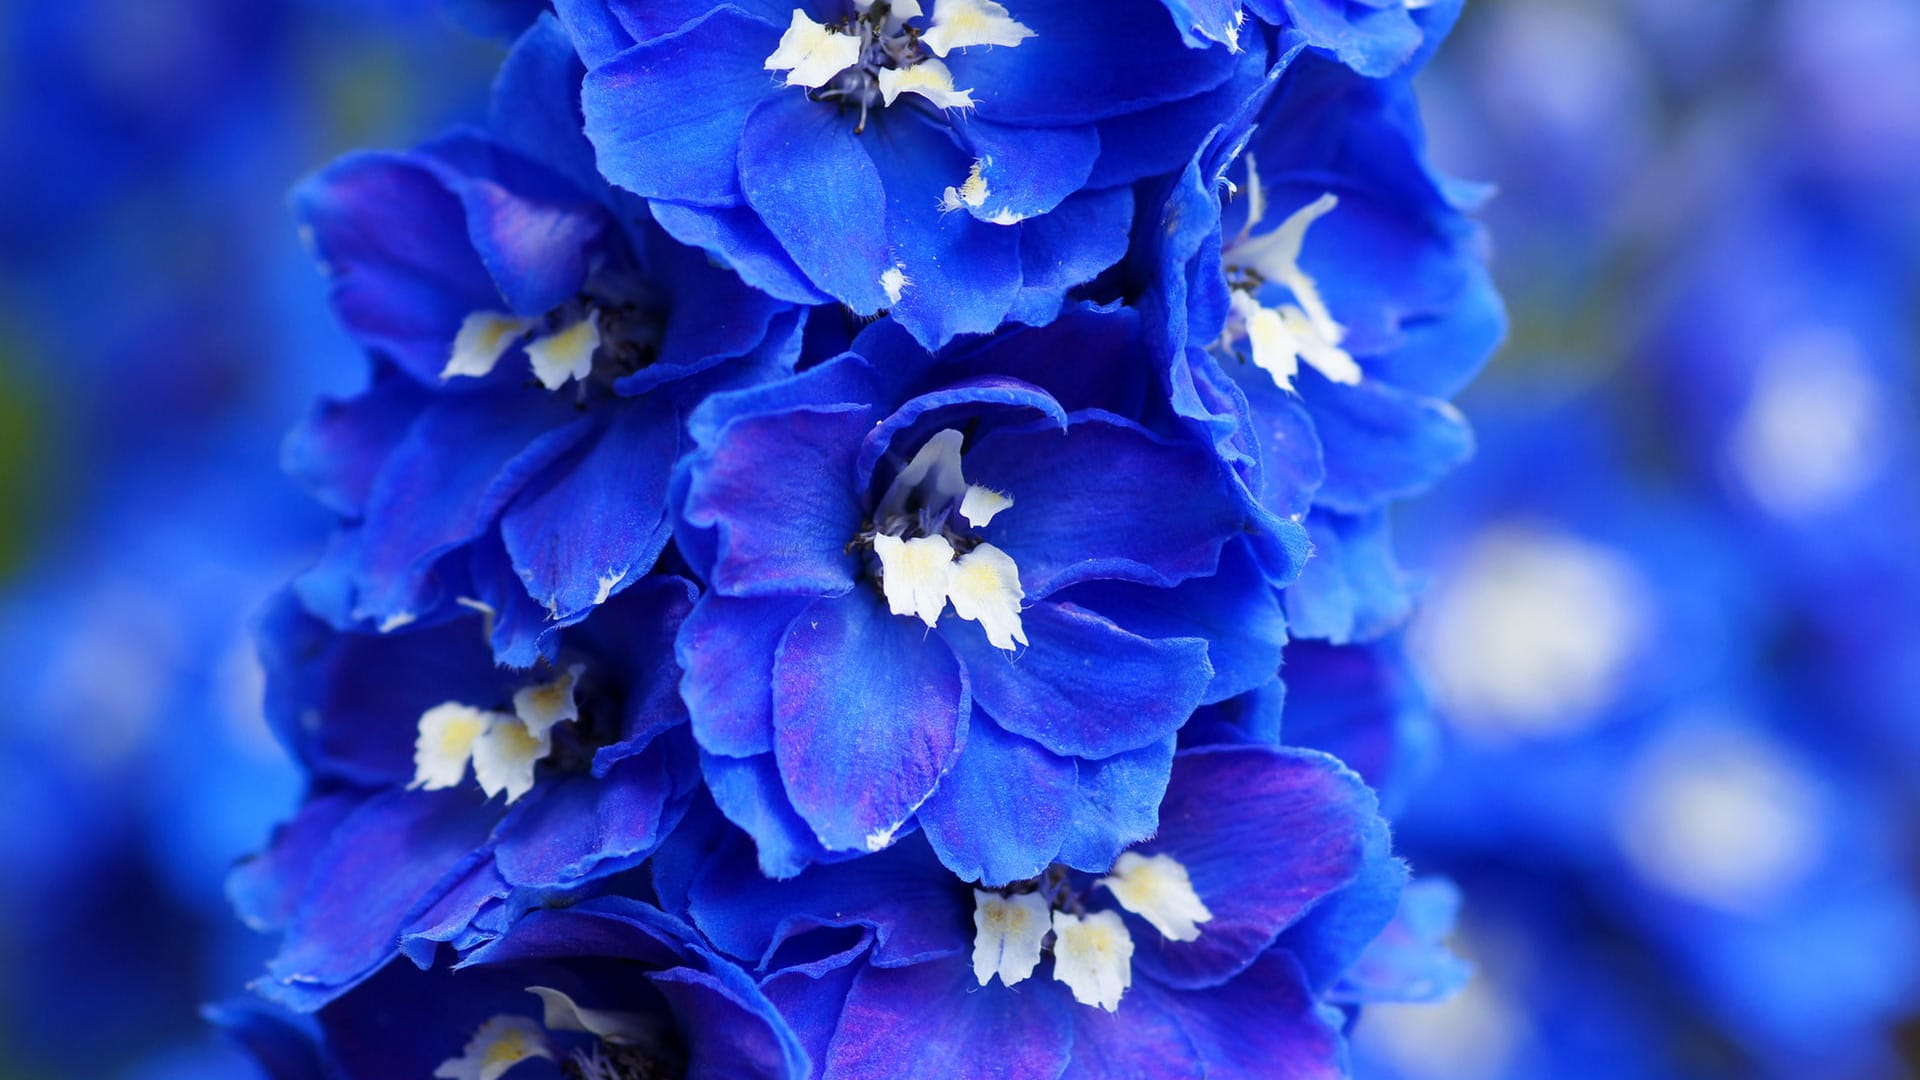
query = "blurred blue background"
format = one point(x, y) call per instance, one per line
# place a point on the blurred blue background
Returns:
point(1673, 635)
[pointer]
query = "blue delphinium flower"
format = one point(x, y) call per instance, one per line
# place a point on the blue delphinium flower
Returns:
point(533, 334)
point(397, 847)
point(889, 966)
point(1324, 315)
point(958, 162)
point(1103, 574)
point(608, 989)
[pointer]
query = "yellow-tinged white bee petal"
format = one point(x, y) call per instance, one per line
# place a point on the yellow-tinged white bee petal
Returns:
point(914, 574)
point(542, 706)
point(980, 504)
point(930, 79)
point(1007, 935)
point(1157, 888)
point(1093, 956)
point(445, 744)
point(565, 354)
point(984, 585)
point(895, 281)
point(504, 756)
point(621, 1028)
point(958, 24)
point(972, 192)
point(483, 339)
point(811, 54)
point(499, 1045)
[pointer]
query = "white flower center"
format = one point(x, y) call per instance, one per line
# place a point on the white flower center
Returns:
point(924, 537)
point(886, 49)
point(1092, 950)
point(1283, 335)
point(503, 747)
point(625, 1043)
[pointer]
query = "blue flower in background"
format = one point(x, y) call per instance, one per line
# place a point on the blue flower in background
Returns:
point(397, 849)
point(835, 517)
point(532, 337)
point(957, 162)
point(1187, 958)
point(606, 989)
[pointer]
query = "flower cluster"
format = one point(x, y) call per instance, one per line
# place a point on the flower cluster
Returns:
point(817, 547)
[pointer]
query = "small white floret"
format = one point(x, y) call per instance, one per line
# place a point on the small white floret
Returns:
point(930, 79)
point(445, 744)
point(980, 505)
point(1093, 956)
point(1157, 888)
point(504, 756)
point(499, 1045)
point(621, 1028)
point(971, 193)
point(812, 54)
point(914, 574)
point(958, 24)
point(566, 354)
point(1007, 935)
point(483, 339)
point(540, 707)
point(895, 281)
point(984, 585)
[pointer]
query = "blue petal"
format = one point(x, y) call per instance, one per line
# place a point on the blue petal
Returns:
point(915, 907)
point(1365, 705)
point(596, 33)
point(535, 104)
point(1002, 811)
point(749, 793)
point(1141, 1039)
point(429, 500)
point(338, 449)
point(387, 860)
point(777, 492)
point(1118, 805)
point(1234, 611)
point(1069, 246)
point(349, 704)
point(811, 997)
point(1381, 442)
point(737, 237)
point(810, 179)
point(1264, 1025)
point(594, 521)
point(1084, 687)
point(1206, 22)
point(869, 710)
point(1028, 171)
point(577, 828)
point(726, 648)
point(967, 402)
point(267, 888)
point(666, 115)
point(1351, 589)
point(1161, 139)
point(536, 233)
point(1372, 40)
point(1328, 939)
point(933, 1022)
point(1106, 499)
point(401, 269)
point(961, 274)
point(1309, 815)
point(1078, 68)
